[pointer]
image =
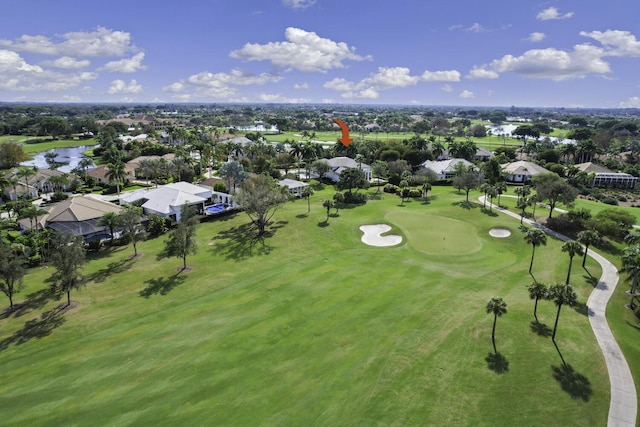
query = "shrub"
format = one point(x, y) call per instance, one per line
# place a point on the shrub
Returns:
point(156, 225)
point(609, 200)
point(415, 193)
point(220, 187)
point(59, 196)
point(355, 198)
point(390, 188)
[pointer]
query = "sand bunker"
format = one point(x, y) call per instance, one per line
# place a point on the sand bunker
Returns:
point(499, 232)
point(372, 235)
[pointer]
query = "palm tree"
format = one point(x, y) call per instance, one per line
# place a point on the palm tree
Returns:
point(84, 164)
point(561, 294)
point(13, 182)
point(588, 238)
point(26, 172)
point(535, 237)
point(111, 220)
point(485, 189)
point(498, 307)
point(328, 205)
point(116, 172)
point(537, 291)
point(573, 248)
point(307, 192)
point(501, 187)
point(631, 266)
point(493, 192)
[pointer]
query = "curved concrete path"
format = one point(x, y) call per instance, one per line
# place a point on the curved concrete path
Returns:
point(623, 406)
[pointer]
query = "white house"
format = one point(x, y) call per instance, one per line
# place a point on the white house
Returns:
point(445, 169)
point(338, 164)
point(167, 200)
point(295, 188)
point(521, 171)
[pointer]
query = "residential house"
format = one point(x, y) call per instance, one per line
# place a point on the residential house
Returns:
point(445, 169)
point(605, 178)
point(43, 181)
point(167, 200)
point(521, 171)
point(78, 215)
point(296, 188)
point(339, 164)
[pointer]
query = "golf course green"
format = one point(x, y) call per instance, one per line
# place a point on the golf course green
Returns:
point(310, 326)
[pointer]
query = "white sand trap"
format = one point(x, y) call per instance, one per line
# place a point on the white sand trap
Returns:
point(372, 235)
point(499, 232)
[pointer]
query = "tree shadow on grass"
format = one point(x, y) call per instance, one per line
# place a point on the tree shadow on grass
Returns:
point(429, 199)
point(304, 215)
point(35, 328)
point(34, 301)
point(593, 281)
point(161, 285)
point(489, 212)
point(112, 268)
point(573, 383)
point(323, 224)
point(239, 243)
point(497, 362)
point(582, 308)
point(466, 205)
point(540, 328)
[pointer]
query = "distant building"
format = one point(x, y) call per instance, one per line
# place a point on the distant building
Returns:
point(521, 171)
point(296, 188)
point(605, 178)
point(339, 164)
point(444, 169)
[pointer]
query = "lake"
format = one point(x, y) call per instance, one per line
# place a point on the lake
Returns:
point(70, 155)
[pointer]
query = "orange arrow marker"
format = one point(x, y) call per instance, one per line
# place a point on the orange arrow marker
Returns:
point(345, 133)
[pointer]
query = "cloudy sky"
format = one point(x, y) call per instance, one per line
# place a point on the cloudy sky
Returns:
point(556, 53)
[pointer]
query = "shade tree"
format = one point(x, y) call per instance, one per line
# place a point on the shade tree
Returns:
point(182, 240)
point(537, 291)
point(68, 258)
point(260, 197)
point(13, 267)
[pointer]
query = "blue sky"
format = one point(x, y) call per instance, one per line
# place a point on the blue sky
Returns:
point(556, 53)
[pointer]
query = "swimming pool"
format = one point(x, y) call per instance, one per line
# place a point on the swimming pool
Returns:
point(217, 208)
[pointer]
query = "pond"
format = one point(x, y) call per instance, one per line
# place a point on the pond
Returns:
point(70, 156)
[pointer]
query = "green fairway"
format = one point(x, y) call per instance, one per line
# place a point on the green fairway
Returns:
point(311, 327)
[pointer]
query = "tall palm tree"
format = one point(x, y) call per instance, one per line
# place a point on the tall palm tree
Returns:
point(501, 187)
point(13, 182)
point(537, 291)
point(84, 164)
point(485, 189)
point(561, 294)
point(111, 220)
point(25, 173)
point(572, 248)
point(631, 266)
point(116, 173)
point(535, 237)
point(588, 238)
point(498, 307)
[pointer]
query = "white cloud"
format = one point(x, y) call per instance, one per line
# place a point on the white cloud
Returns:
point(441, 76)
point(467, 94)
point(476, 28)
point(548, 63)
point(101, 42)
point(299, 4)
point(263, 97)
point(68, 63)
point(387, 78)
point(301, 86)
point(126, 65)
point(447, 88)
point(18, 75)
point(174, 87)
point(552, 13)
point(633, 102)
point(219, 85)
point(616, 43)
point(303, 51)
point(536, 37)
point(120, 86)
point(482, 73)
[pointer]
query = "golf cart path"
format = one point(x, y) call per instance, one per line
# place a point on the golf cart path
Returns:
point(623, 405)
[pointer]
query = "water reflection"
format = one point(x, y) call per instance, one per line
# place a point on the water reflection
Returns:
point(70, 156)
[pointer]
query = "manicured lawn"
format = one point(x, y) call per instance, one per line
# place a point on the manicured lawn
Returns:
point(36, 145)
point(310, 327)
